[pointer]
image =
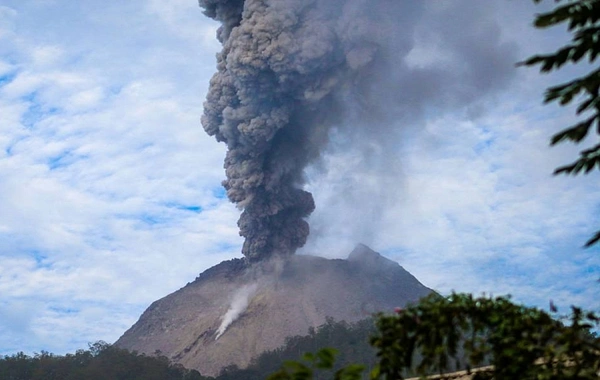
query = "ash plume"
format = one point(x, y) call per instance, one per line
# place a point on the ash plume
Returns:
point(293, 71)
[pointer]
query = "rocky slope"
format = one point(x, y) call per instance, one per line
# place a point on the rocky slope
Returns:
point(264, 303)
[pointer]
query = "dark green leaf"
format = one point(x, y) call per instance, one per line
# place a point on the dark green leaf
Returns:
point(575, 133)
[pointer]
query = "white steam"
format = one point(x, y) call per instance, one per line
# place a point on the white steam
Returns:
point(239, 303)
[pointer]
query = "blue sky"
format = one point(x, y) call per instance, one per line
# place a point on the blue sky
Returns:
point(110, 193)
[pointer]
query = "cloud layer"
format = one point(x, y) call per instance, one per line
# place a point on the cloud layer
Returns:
point(110, 191)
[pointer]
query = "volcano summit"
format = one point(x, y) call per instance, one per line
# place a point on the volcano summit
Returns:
point(235, 310)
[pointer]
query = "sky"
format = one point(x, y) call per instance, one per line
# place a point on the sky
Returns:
point(111, 197)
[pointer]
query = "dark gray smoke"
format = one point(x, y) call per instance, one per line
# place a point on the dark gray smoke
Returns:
point(291, 71)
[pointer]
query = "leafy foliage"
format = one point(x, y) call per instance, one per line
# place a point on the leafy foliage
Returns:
point(492, 338)
point(324, 360)
point(100, 362)
point(105, 362)
point(461, 331)
point(351, 341)
point(582, 18)
point(434, 336)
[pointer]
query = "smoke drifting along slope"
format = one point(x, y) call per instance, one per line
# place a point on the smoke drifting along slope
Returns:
point(239, 303)
point(291, 71)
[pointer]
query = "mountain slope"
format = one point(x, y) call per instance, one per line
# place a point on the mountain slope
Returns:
point(266, 302)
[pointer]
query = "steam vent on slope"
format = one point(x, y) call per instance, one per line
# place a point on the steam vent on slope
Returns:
point(253, 307)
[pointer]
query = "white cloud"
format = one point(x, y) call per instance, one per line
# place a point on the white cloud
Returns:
point(109, 182)
point(472, 203)
point(110, 191)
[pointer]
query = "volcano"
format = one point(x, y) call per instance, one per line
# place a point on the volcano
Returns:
point(236, 310)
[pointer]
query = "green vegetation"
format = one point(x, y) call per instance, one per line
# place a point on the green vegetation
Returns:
point(350, 341)
point(439, 334)
point(105, 362)
point(323, 361)
point(100, 362)
point(461, 331)
point(582, 18)
point(442, 334)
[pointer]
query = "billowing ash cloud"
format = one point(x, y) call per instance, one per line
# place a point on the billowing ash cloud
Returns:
point(293, 71)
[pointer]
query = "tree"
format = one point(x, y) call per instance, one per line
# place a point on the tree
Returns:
point(323, 360)
point(583, 21)
point(463, 332)
point(101, 361)
point(492, 338)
